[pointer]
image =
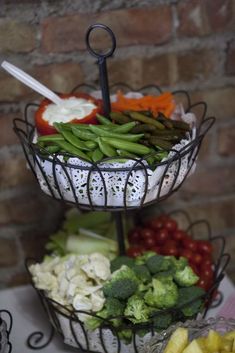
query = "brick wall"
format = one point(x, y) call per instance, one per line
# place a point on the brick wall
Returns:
point(175, 44)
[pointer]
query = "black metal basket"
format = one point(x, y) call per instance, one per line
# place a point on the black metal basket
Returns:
point(5, 330)
point(107, 185)
point(106, 339)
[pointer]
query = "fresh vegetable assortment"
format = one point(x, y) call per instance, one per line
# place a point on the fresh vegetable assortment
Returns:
point(136, 127)
point(123, 291)
point(163, 235)
point(213, 342)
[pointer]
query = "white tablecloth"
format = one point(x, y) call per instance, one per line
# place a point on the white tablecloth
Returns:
point(29, 317)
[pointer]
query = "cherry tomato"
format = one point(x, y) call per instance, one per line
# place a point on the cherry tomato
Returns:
point(188, 254)
point(194, 268)
point(190, 243)
point(205, 283)
point(179, 235)
point(207, 271)
point(162, 236)
point(170, 248)
point(204, 246)
point(156, 224)
point(157, 249)
point(149, 242)
point(134, 235)
point(135, 251)
point(44, 128)
point(163, 217)
point(197, 259)
point(170, 225)
point(147, 233)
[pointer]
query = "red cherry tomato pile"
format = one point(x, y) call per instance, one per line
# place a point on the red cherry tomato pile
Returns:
point(162, 235)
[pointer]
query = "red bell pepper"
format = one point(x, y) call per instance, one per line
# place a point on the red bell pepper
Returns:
point(43, 126)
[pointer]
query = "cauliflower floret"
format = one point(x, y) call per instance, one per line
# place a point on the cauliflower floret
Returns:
point(97, 300)
point(45, 281)
point(98, 267)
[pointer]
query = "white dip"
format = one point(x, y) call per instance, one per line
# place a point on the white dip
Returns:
point(72, 108)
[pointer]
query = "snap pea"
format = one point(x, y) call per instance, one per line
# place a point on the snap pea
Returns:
point(97, 155)
point(120, 118)
point(123, 153)
point(144, 119)
point(90, 144)
point(83, 134)
point(102, 120)
point(89, 154)
point(160, 143)
point(123, 129)
point(50, 138)
point(72, 150)
point(74, 140)
point(52, 149)
point(106, 149)
point(165, 121)
point(79, 126)
point(127, 145)
point(143, 128)
point(180, 125)
point(103, 133)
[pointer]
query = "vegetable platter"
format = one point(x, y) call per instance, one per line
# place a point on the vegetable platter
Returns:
point(100, 301)
point(130, 159)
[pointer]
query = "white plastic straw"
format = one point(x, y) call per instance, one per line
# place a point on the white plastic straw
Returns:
point(31, 82)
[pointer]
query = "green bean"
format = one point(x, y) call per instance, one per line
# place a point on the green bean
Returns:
point(144, 119)
point(102, 120)
point(160, 143)
point(103, 133)
point(167, 132)
point(72, 150)
point(181, 125)
point(90, 144)
point(120, 118)
point(74, 140)
point(79, 126)
point(123, 153)
point(52, 149)
point(83, 134)
point(143, 128)
point(97, 155)
point(165, 121)
point(123, 129)
point(89, 154)
point(106, 149)
point(50, 138)
point(127, 145)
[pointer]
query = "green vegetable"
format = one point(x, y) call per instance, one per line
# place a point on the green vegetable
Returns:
point(72, 150)
point(158, 263)
point(106, 149)
point(136, 310)
point(185, 277)
point(122, 285)
point(144, 119)
point(50, 138)
point(141, 259)
point(127, 146)
point(123, 129)
point(190, 300)
point(83, 134)
point(102, 120)
point(103, 133)
point(160, 143)
point(143, 128)
point(52, 149)
point(120, 118)
point(90, 144)
point(122, 260)
point(97, 155)
point(74, 140)
point(163, 295)
point(142, 273)
point(162, 320)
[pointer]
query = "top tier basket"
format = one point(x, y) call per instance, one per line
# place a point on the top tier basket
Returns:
point(109, 184)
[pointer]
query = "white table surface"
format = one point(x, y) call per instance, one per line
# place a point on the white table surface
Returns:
point(29, 317)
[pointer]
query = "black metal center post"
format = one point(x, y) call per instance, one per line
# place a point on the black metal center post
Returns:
point(120, 232)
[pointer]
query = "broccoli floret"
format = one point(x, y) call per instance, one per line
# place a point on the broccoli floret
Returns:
point(113, 310)
point(163, 295)
point(179, 264)
point(121, 260)
point(136, 310)
point(141, 260)
point(185, 277)
point(142, 273)
point(158, 263)
point(125, 335)
point(190, 300)
point(162, 320)
point(122, 285)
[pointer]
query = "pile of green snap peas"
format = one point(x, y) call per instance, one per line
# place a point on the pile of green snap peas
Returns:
point(123, 136)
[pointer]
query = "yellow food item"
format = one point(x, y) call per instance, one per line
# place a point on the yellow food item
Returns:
point(213, 341)
point(193, 347)
point(230, 335)
point(178, 341)
point(226, 344)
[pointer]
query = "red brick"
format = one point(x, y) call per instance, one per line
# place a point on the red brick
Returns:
point(209, 182)
point(192, 21)
point(220, 14)
point(144, 71)
point(16, 36)
point(196, 65)
point(58, 77)
point(205, 149)
point(230, 60)
point(14, 173)
point(220, 101)
point(226, 138)
point(31, 207)
point(130, 26)
point(8, 253)
point(7, 135)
